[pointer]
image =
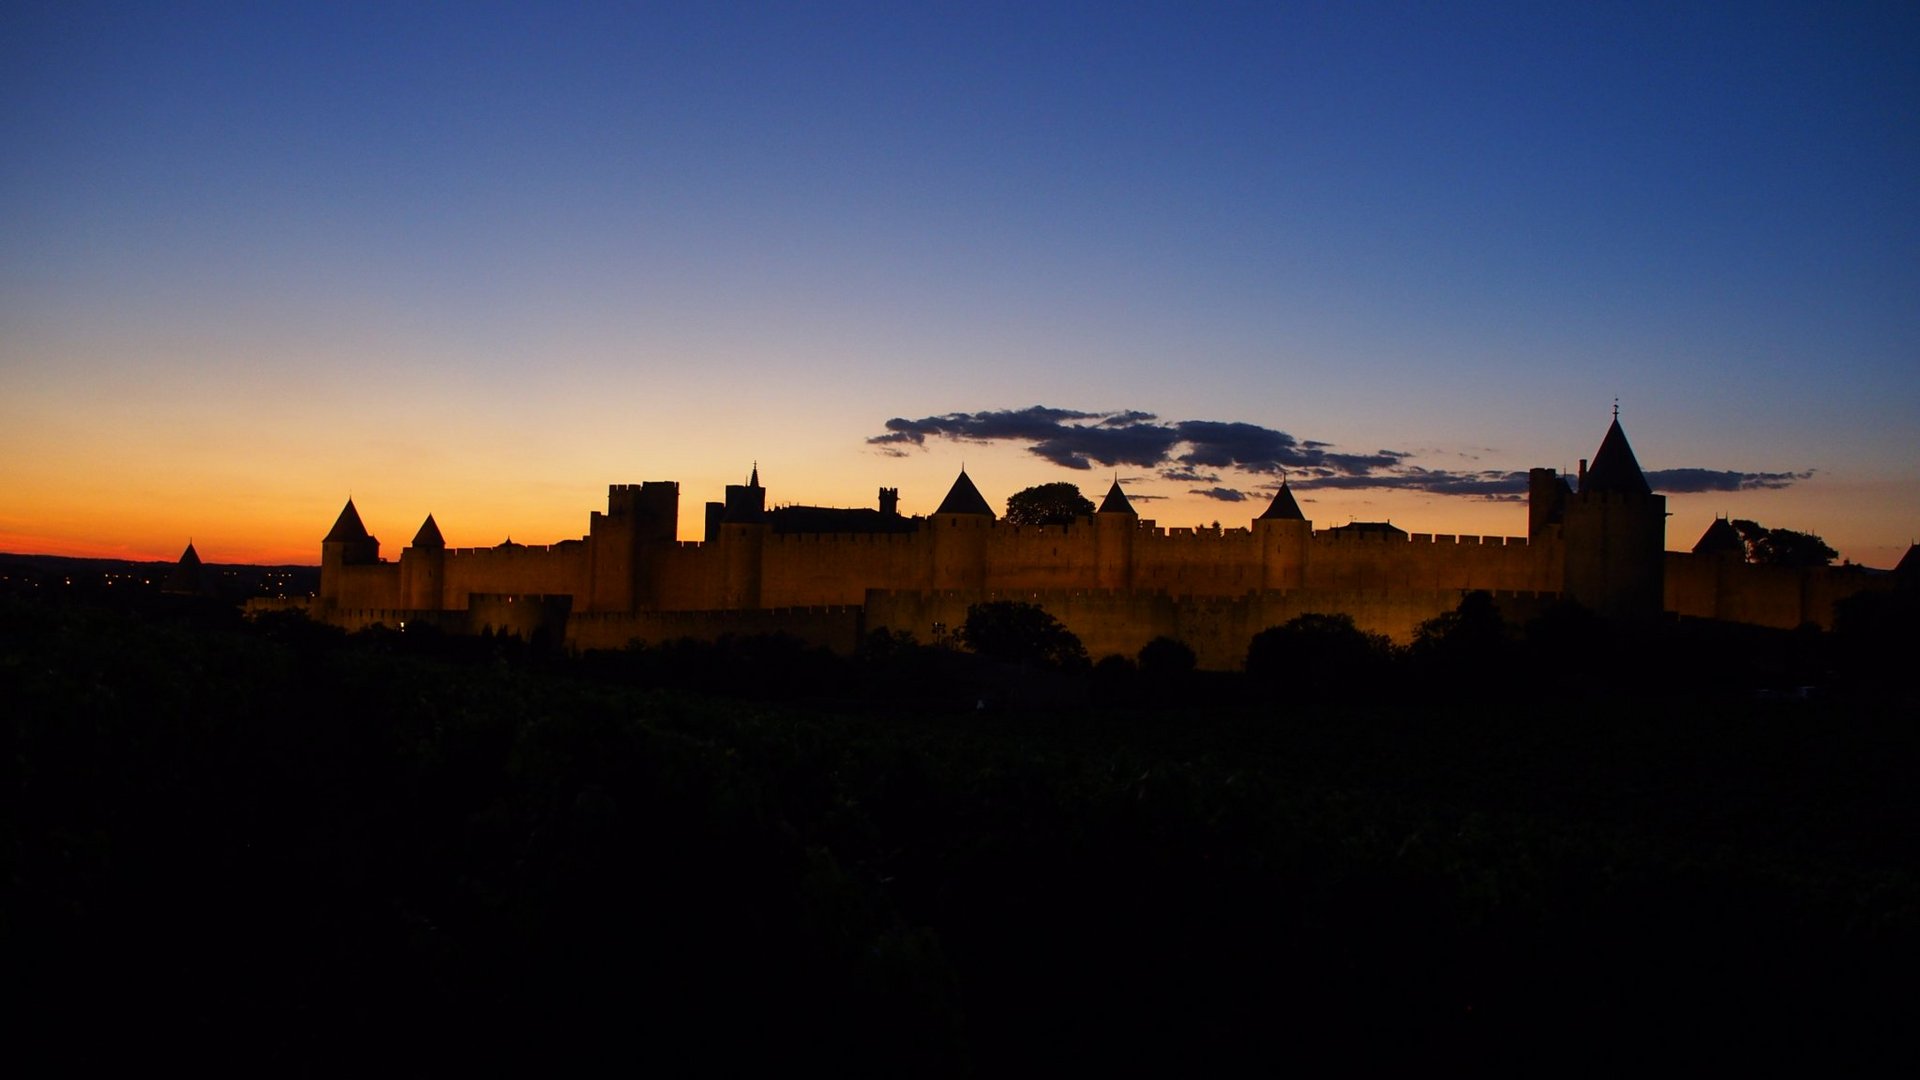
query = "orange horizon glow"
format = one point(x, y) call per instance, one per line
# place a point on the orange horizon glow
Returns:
point(294, 539)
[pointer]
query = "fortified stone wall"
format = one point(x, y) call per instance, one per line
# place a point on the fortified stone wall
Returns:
point(1217, 628)
point(1716, 587)
point(530, 570)
point(369, 585)
point(1200, 562)
point(836, 628)
point(1426, 561)
point(809, 569)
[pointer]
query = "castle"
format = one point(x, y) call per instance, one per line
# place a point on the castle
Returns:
point(829, 576)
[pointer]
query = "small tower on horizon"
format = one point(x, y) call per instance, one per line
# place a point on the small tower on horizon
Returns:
point(188, 576)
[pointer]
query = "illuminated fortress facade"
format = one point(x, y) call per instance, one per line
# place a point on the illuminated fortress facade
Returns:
point(830, 576)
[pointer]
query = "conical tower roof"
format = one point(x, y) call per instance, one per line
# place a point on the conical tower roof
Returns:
point(186, 577)
point(1909, 563)
point(429, 535)
point(347, 527)
point(1615, 470)
point(964, 498)
point(1116, 501)
point(1283, 508)
point(1720, 538)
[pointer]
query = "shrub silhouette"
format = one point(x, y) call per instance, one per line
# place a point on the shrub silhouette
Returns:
point(1021, 633)
point(1166, 657)
point(1317, 655)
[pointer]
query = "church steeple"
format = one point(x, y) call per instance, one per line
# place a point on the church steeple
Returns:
point(964, 498)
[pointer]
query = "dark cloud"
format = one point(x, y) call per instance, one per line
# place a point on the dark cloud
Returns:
point(1488, 484)
point(1687, 481)
point(1193, 452)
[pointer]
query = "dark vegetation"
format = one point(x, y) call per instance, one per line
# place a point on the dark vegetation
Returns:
point(1057, 503)
point(1782, 547)
point(1548, 848)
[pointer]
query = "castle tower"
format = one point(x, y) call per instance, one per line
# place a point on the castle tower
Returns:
point(347, 544)
point(1721, 541)
point(1284, 534)
point(1115, 525)
point(626, 546)
point(742, 538)
point(187, 578)
point(1547, 496)
point(958, 533)
point(423, 569)
point(1616, 535)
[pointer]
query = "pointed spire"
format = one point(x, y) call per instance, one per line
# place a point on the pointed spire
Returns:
point(187, 578)
point(429, 535)
point(1720, 538)
point(1909, 564)
point(754, 480)
point(1283, 507)
point(964, 498)
point(1615, 469)
point(347, 527)
point(1116, 501)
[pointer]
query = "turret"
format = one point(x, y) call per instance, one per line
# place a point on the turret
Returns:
point(347, 544)
point(626, 545)
point(187, 578)
point(423, 568)
point(1284, 534)
point(1115, 525)
point(958, 532)
point(741, 533)
point(1721, 541)
point(1547, 496)
point(1616, 530)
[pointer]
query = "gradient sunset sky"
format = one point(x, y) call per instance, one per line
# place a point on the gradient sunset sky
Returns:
point(483, 260)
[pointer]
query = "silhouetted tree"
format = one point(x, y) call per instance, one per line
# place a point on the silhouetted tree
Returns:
point(1166, 657)
point(1115, 681)
point(1465, 647)
point(1048, 504)
point(1319, 654)
point(1475, 626)
point(1021, 633)
point(1783, 547)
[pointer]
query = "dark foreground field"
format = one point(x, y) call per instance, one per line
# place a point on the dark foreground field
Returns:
point(272, 848)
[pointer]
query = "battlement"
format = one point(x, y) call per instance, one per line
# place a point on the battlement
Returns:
point(1482, 541)
point(803, 540)
point(518, 549)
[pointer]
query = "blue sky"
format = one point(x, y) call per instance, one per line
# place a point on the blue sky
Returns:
point(482, 260)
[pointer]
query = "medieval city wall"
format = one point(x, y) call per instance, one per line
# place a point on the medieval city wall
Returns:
point(1430, 561)
point(1217, 628)
point(521, 570)
point(369, 585)
point(837, 628)
point(1716, 587)
point(808, 569)
point(1202, 562)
